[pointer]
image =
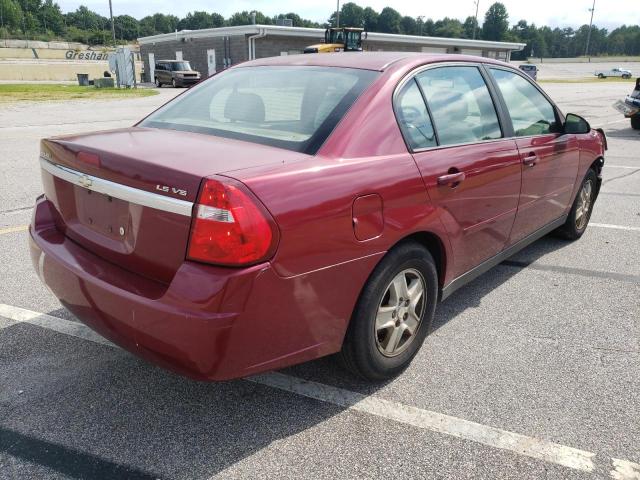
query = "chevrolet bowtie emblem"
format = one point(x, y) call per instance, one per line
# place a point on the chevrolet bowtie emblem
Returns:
point(84, 181)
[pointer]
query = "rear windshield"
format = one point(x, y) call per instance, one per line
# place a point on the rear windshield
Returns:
point(295, 108)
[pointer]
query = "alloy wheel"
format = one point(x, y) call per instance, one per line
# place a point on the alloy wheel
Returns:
point(584, 205)
point(400, 312)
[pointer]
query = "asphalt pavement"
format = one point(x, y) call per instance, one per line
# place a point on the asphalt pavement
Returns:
point(531, 370)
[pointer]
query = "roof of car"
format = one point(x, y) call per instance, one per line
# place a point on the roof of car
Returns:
point(379, 61)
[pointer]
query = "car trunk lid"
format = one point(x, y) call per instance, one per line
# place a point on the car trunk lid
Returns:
point(127, 195)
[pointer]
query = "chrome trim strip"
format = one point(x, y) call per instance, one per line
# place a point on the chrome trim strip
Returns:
point(116, 190)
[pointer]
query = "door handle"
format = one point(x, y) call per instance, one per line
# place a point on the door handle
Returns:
point(451, 179)
point(530, 160)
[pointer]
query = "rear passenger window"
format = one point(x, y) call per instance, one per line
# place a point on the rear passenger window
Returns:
point(460, 103)
point(413, 118)
point(530, 112)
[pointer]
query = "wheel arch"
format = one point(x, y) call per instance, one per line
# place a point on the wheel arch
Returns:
point(597, 166)
point(436, 247)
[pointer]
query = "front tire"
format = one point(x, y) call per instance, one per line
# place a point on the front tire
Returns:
point(393, 315)
point(158, 83)
point(580, 212)
point(600, 75)
point(635, 122)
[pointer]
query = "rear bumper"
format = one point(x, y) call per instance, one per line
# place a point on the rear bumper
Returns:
point(209, 323)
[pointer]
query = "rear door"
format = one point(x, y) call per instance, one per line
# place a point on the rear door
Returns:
point(549, 159)
point(472, 172)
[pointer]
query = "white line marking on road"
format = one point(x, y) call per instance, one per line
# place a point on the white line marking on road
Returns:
point(437, 422)
point(49, 322)
point(623, 470)
point(570, 457)
point(622, 166)
point(615, 227)
point(20, 228)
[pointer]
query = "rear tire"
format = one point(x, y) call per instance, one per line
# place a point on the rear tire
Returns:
point(635, 122)
point(158, 83)
point(580, 212)
point(173, 83)
point(626, 77)
point(393, 315)
point(600, 75)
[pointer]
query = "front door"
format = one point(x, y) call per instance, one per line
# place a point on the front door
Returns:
point(211, 61)
point(549, 160)
point(471, 171)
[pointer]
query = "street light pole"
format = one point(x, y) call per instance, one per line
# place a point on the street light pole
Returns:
point(113, 25)
point(475, 25)
point(586, 50)
point(338, 14)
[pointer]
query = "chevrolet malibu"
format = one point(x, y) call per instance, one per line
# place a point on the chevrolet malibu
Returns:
point(295, 207)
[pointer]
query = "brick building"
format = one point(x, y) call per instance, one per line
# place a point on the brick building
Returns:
point(213, 49)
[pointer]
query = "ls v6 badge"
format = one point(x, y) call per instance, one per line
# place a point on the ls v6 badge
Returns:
point(175, 191)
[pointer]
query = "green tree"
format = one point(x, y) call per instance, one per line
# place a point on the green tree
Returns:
point(389, 21)
point(10, 15)
point(496, 22)
point(409, 26)
point(244, 18)
point(448, 27)
point(200, 20)
point(127, 27)
point(370, 17)
point(469, 26)
point(428, 28)
point(51, 18)
point(351, 15)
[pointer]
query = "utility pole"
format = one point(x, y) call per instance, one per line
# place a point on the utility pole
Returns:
point(586, 50)
point(113, 25)
point(338, 14)
point(475, 25)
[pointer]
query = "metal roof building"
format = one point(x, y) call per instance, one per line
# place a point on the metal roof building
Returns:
point(212, 49)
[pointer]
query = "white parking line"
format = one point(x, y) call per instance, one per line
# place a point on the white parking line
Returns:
point(615, 227)
point(622, 166)
point(19, 228)
point(570, 457)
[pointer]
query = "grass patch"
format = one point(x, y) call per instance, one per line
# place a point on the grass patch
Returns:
point(47, 92)
point(593, 79)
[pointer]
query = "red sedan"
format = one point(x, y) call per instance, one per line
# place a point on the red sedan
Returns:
point(295, 207)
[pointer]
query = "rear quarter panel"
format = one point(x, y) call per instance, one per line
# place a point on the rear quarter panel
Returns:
point(312, 199)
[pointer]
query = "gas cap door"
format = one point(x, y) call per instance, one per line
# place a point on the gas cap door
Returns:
point(367, 215)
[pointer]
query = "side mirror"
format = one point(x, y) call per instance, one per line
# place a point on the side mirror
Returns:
point(575, 124)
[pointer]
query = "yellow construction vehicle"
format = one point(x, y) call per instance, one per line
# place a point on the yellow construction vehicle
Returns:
point(341, 39)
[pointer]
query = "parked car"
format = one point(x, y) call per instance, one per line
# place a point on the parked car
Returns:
point(630, 107)
point(294, 207)
point(177, 73)
point(614, 72)
point(530, 70)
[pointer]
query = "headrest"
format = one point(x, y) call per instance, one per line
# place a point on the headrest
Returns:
point(244, 107)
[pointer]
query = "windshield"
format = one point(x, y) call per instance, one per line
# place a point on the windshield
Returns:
point(288, 107)
point(180, 66)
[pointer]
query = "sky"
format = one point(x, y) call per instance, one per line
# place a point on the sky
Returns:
point(554, 13)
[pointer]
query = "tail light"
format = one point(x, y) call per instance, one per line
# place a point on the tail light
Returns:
point(230, 226)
